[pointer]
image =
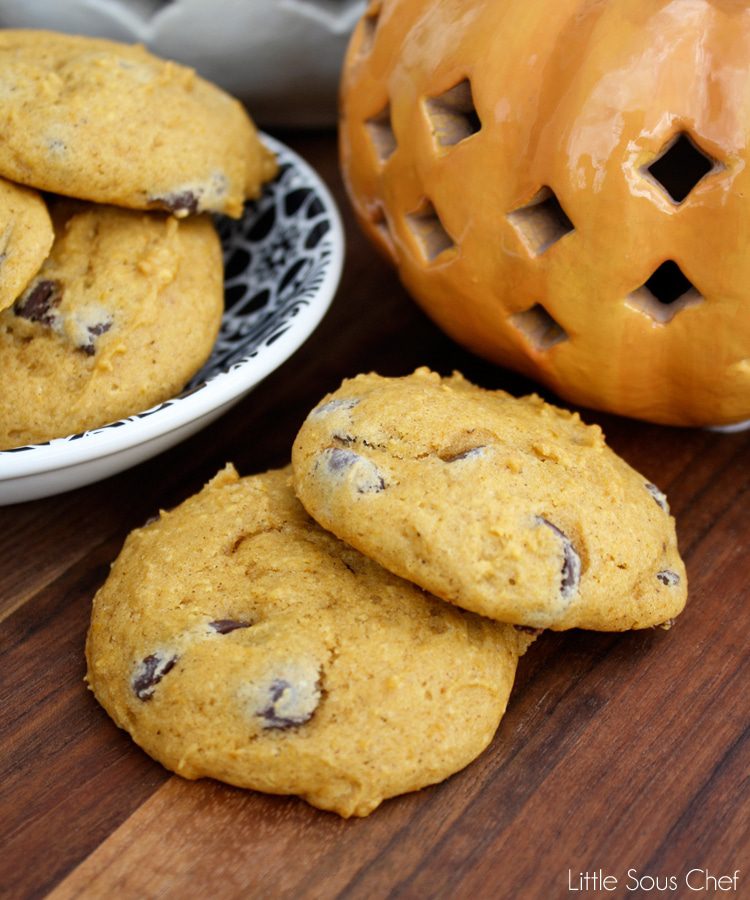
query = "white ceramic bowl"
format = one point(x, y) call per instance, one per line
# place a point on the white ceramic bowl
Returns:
point(283, 262)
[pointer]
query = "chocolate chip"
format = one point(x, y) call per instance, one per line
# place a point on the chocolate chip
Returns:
point(669, 578)
point(366, 477)
point(659, 497)
point(339, 460)
point(333, 405)
point(38, 303)
point(528, 629)
point(181, 203)
point(571, 567)
point(225, 626)
point(94, 331)
point(289, 702)
point(464, 454)
point(150, 673)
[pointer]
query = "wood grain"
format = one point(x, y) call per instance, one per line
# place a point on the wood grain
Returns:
point(617, 751)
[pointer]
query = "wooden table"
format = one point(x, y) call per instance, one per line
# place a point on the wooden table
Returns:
point(618, 752)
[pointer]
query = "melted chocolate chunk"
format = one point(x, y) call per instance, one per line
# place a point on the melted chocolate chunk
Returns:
point(182, 203)
point(333, 405)
point(150, 672)
point(94, 331)
point(289, 704)
point(571, 567)
point(367, 480)
point(659, 496)
point(225, 626)
point(38, 303)
point(339, 460)
point(669, 578)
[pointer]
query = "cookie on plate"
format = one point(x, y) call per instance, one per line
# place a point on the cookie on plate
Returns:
point(26, 236)
point(236, 639)
point(108, 122)
point(123, 313)
point(512, 508)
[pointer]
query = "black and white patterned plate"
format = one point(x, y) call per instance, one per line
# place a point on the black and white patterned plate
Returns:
point(282, 262)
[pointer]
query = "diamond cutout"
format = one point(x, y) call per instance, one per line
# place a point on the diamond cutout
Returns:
point(453, 115)
point(381, 134)
point(538, 327)
point(541, 223)
point(680, 166)
point(667, 292)
point(427, 228)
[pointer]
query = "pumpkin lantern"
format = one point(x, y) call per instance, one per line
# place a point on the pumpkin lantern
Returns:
point(565, 188)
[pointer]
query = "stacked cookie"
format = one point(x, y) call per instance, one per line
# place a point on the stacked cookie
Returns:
point(365, 644)
point(109, 303)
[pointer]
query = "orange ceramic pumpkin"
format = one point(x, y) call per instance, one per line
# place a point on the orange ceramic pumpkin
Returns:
point(564, 186)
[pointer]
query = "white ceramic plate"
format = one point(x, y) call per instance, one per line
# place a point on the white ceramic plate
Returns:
point(283, 262)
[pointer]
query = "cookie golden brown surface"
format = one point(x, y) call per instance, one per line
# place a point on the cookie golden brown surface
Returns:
point(236, 639)
point(107, 122)
point(26, 236)
point(509, 507)
point(122, 314)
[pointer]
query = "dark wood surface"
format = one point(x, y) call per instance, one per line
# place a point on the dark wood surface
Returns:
point(617, 752)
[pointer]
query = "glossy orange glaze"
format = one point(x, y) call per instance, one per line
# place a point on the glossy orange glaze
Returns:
point(575, 100)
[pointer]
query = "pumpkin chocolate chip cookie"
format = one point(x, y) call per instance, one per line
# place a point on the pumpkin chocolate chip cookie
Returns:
point(508, 507)
point(123, 312)
point(26, 236)
point(236, 639)
point(107, 122)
